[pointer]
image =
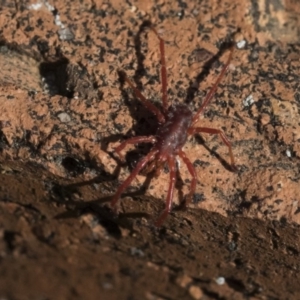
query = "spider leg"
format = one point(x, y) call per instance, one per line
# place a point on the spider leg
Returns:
point(134, 140)
point(166, 211)
point(150, 167)
point(133, 174)
point(192, 171)
point(222, 136)
point(163, 70)
point(214, 88)
point(146, 102)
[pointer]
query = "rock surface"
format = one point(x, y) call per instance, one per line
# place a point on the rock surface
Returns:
point(64, 109)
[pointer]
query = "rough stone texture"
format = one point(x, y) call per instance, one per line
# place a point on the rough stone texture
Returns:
point(64, 109)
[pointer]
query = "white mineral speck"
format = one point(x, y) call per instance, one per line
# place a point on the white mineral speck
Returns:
point(220, 280)
point(241, 44)
point(64, 117)
point(49, 6)
point(248, 101)
point(35, 6)
point(65, 34)
point(136, 252)
point(58, 21)
point(133, 8)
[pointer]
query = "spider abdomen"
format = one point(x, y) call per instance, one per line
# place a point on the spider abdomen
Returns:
point(172, 135)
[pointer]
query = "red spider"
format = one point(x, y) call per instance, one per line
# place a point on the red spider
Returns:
point(176, 123)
